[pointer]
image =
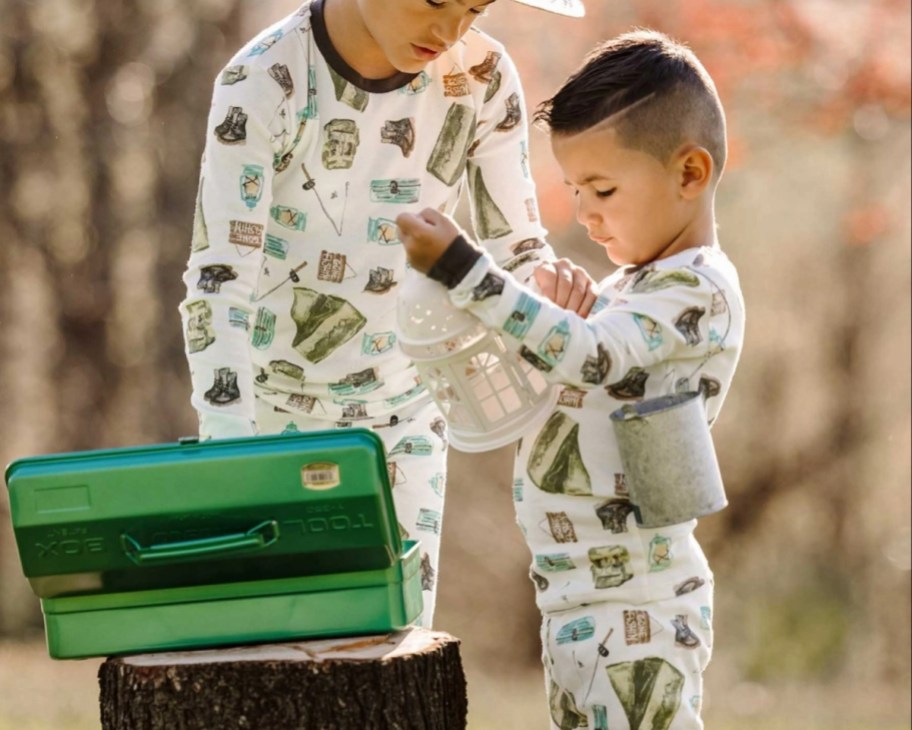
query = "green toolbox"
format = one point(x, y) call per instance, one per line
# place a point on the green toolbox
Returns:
point(201, 544)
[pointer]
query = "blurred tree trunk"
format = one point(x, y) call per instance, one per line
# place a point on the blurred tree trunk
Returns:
point(845, 466)
point(102, 112)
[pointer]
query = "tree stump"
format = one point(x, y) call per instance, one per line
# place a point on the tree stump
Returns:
point(408, 680)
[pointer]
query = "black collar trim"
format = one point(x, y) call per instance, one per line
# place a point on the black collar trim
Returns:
point(338, 64)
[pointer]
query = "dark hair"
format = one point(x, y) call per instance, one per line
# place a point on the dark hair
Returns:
point(655, 89)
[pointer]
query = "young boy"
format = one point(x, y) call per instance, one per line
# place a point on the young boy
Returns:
point(322, 129)
point(639, 134)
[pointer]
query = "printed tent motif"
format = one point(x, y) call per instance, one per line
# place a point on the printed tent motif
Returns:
point(324, 323)
point(556, 464)
point(448, 159)
point(491, 222)
point(649, 690)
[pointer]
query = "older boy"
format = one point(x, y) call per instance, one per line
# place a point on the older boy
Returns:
point(322, 129)
point(639, 133)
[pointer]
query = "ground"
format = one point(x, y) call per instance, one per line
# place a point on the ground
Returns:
point(38, 693)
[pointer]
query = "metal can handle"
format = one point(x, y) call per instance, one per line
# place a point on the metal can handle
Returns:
point(256, 538)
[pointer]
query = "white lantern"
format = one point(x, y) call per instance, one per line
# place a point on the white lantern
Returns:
point(488, 394)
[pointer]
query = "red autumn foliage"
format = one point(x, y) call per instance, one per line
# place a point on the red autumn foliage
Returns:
point(815, 67)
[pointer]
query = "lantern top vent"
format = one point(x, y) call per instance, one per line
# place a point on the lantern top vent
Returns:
point(430, 325)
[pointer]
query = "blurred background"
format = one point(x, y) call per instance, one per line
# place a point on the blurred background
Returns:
point(103, 106)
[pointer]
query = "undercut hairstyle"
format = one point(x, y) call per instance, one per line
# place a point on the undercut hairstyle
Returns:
point(651, 89)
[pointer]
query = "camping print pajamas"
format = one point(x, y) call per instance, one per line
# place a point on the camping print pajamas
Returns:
point(642, 663)
point(295, 262)
point(626, 610)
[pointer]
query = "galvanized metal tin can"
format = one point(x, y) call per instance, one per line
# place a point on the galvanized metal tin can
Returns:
point(669, 460)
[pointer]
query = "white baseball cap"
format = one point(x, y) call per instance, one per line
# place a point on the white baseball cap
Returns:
point(572, 8)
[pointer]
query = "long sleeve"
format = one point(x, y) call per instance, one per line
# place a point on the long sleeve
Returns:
point(502, 196)
point(292, 281)
point(249, 114)
point(671, 312)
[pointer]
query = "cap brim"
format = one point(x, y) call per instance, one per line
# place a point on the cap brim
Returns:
point(570, 8)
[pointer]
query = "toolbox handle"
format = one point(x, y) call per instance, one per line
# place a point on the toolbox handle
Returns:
point(256, 538)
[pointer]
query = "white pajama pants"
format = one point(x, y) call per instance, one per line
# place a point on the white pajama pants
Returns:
point(415, 443)
point(617, 666)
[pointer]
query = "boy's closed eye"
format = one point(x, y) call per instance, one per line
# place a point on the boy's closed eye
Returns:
point(607, 193)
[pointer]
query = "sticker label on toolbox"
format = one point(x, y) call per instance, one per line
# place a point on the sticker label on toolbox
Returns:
point(320, 475)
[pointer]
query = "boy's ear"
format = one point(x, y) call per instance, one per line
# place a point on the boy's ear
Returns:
point(694, 166)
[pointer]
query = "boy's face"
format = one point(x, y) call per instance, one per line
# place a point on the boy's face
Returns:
point(628, 200)
point(412, 33)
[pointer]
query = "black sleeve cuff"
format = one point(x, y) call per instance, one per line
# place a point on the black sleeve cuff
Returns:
point(455, 263)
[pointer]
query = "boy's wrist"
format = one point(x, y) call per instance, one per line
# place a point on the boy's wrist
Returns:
point(454, 263)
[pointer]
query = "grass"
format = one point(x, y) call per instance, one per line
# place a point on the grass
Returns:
point(37, 693)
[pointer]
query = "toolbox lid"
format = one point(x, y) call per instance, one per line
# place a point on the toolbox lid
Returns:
point(198, 513)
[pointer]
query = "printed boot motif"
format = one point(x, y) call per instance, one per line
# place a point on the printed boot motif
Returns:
point(234, 129)
point(400, 133)
point(224, 389)
point(684, 635)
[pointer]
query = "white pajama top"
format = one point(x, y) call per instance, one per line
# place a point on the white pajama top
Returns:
point(674, 325)
point(295, 263)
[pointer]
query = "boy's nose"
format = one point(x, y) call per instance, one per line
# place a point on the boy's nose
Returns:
point(585, 213)
point(449, 30)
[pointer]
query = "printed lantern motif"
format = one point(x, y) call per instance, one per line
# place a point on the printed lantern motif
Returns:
point(488, 394)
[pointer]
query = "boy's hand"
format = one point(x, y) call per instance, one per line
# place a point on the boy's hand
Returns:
point(426, 236)
point(567, 285)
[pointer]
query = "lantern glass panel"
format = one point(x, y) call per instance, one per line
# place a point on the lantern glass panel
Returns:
point(501, 380)
point(510, 399)
point(481, 386)
point(536, 380)
point(493, 410)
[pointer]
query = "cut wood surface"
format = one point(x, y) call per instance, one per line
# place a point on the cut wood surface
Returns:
point(408, 680)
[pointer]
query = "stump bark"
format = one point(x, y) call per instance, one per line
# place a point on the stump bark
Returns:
point(409, 680)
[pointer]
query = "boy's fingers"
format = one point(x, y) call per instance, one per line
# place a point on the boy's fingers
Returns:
point(589, 288)
point(405, 222)
point(582, 291)
point(431, 216)
point(410, 224)
point(423, 222)
point(567, 285)
point(546, 278)
point(564, 284)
